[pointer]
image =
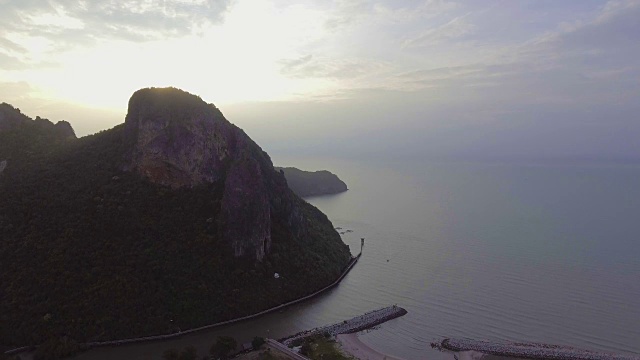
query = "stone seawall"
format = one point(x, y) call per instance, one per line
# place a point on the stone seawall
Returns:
point(530, 350)
point(355, 324)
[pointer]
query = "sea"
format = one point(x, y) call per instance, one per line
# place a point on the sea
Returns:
point(509, 251)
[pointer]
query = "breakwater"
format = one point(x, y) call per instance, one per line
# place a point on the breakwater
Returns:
point(530, 350)
point(358, 323)
point(94, 344)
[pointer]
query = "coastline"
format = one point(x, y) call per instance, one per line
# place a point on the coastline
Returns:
point(528, 350)
point(352, 345)
point(90, 345)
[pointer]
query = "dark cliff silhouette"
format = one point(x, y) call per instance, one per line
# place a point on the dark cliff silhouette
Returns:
point(174, 219)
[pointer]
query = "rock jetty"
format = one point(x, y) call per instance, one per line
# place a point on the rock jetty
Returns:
point(530, 350)
point(358, 323)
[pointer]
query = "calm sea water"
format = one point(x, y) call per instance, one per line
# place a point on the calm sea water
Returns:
point(544, 253)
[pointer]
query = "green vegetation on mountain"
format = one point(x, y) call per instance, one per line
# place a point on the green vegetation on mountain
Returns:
point(320, 347)
point(92, 251)
point(223, 347)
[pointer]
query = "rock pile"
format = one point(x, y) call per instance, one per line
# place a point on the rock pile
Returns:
point(530, 350)
point(358, 323)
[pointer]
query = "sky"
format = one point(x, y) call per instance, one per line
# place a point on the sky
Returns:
point(495, 79)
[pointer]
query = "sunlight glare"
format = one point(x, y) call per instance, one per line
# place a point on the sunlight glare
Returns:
point(237, 61)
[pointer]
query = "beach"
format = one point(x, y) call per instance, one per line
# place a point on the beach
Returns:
point(350, 344)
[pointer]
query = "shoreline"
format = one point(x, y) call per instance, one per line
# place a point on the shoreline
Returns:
point(91, 345)
point(352, 345)
point(528, 350)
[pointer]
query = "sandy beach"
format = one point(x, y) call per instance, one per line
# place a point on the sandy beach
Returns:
point(352, 345)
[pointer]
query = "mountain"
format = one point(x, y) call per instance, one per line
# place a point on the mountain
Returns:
point(312, 183)
point(11, 119)
point(174, 219)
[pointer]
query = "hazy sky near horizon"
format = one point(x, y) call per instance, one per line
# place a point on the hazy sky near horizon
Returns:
point(432, 78)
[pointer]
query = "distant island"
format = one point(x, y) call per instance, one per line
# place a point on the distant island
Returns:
point(312, 183)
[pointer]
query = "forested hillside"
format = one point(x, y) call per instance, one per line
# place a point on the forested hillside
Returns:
point(94, 252)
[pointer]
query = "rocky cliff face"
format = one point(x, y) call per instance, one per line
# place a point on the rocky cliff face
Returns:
point(139, 225)
point(178, 140)
point(312, 183)
point(23, 137)
point(64, 130)
point(11, 118)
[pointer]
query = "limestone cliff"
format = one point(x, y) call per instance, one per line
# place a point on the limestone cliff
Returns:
point(149, 227)
point(178, 140)
point(312, 183)
point(12, 118)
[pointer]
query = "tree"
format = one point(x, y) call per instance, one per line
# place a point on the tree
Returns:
point(189, 353)
point(57, 348)
point(223, 347)
point(171, 354)
point(306, 349)
point(257, 342)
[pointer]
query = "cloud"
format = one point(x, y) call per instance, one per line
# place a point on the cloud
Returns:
point(454, 29)
point(9, 62)
point(583, 62)
point(292, 66)
point(350, 12)
point(9, 45)
point(79, 22)
point(439, 77)
point(314, 67)
point(426, 10)
point(589, 61)
point(615, 28)
point(10, 92)
point(347, 12)
point(595, 57)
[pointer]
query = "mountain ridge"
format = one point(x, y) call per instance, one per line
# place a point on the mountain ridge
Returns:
point(312, 183)
point(96, 249)
point(11, 117)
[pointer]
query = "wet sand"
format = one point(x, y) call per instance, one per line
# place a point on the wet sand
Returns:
point(350, 344)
